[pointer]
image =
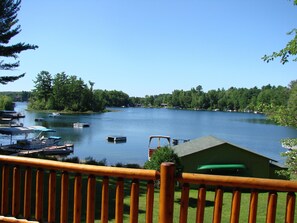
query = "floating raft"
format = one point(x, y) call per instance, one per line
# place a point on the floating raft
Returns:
point(116, 139)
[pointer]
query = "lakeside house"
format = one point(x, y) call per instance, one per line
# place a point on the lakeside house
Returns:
point(215, 156)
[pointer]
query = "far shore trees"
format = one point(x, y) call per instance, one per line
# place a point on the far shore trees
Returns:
point(69, 93)
point(63, 93)
point(8, 30)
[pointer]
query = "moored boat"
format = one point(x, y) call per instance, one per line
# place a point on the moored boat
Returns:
point(54, 114)
point(161, 141)
point(34, 145)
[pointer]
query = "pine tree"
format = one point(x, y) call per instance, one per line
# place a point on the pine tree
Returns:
point(8, 29)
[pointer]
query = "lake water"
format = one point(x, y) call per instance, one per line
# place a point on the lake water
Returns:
point(250, 131)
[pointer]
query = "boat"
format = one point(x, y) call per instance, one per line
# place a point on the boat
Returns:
point(116, 139)
point(232, 169)
point(10, 118)
point(162, 140)
point(10, 114)
point(39, 119)
point(54, 114)
point(80, 125)
point(36, 144)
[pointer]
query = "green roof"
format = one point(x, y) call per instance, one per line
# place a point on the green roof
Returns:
point(204, 143)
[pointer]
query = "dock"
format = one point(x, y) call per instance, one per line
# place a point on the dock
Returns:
point(51, 150)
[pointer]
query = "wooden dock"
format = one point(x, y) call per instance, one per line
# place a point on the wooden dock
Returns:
point(51, 150)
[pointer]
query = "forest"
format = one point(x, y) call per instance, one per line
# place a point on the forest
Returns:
point(64, 92)
point(232, 99)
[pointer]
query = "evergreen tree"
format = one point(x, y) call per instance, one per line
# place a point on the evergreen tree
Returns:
point(8, 30)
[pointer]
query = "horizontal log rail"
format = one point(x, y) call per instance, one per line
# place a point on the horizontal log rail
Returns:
point(24, 199)
point(237, 184)
point(11, 205)
point(241, 182)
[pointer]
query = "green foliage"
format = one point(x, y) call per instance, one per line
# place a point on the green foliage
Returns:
point(233, 99)
point(289, 143)
point(286, 114)
point(64, 93)
point(291, 164)
point(291, 161)
point(112, 98)
point(129, 165)
point(17, 95)
point(164, 154)
point(6, 103)
point(8, 30)
point(91, 161)
point(74, 159)
point(289, 50)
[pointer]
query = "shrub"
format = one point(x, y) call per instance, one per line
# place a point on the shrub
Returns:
point(164, 154)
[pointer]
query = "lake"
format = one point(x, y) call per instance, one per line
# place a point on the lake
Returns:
point(247, 130)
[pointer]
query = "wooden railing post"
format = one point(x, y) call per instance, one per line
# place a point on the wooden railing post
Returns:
point(253, 207)
point(77, 198)
point(52, 197)
point(134, 201)
point(167, 179)
point(16, 192)
point(119, 205)
point(271, 207)
point(290, 210)
point(184, 203)
point(149, 201)
point(104, 201)
point(91, 192)
point(39, 195)
point(27, 192)
point(201, 200)
point(235, 206)
point(4, 192)
point(64, 197)
point(217, 210)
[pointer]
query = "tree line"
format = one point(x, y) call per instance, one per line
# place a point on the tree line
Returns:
point(64, 92)
point(232, 99)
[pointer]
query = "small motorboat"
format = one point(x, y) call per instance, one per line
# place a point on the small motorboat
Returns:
point(54, 114)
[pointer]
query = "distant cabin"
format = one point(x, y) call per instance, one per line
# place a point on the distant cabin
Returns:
point(211, 155)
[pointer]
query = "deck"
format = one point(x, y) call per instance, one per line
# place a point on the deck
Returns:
point(31, 202)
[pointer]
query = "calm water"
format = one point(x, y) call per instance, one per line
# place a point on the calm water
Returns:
point(250, 131)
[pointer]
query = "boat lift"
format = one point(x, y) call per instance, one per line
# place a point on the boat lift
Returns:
point(160, 138)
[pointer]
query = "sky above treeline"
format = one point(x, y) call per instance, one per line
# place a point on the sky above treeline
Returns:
point(149, 47)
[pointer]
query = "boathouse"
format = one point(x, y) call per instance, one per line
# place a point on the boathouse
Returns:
point(211, 155)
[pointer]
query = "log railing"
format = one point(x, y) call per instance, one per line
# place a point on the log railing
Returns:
point(36, 190)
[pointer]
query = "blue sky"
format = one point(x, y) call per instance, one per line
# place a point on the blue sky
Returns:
point(147, 47)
